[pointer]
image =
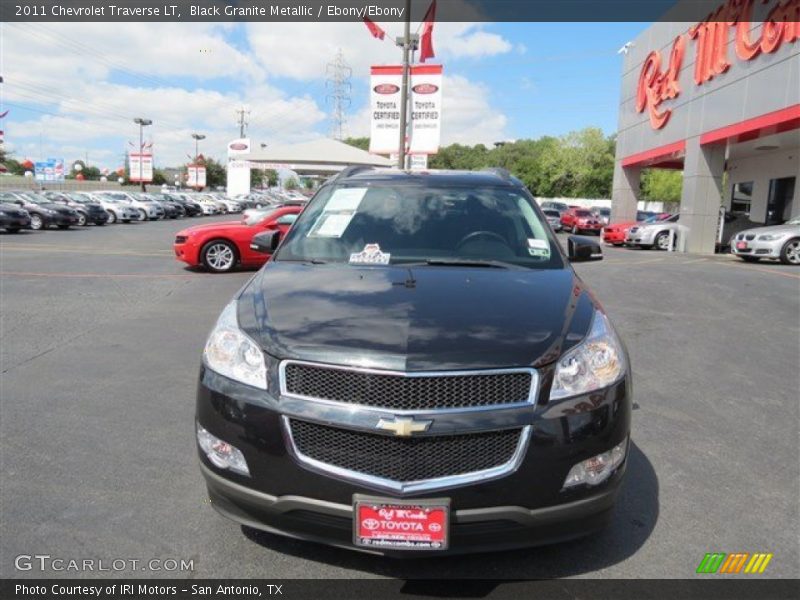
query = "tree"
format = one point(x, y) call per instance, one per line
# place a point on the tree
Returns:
point(158, 177)
point(256, 178)
point(308, 183)
point(272, 177)
point(360, 142)
point(216, 174)
point(662, 185)
point(291, 183)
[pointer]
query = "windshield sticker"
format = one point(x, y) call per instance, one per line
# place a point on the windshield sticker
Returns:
point(331, 225)
point(345, 199)
point(538, 248)
point(370, 255)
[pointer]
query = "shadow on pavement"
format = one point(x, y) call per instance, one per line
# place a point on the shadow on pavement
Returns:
point(634, 519)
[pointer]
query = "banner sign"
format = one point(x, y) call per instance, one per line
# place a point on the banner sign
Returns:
point(50, 170)
point(385, 86)
point(425, 114)
point(196, 176)
point(426, 108)
point(140, 166)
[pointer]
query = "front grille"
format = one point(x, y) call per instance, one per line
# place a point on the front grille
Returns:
point(407, 391)
point(401, 459)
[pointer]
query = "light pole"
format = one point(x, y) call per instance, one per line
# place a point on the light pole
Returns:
point(197, 137)
point(142, 123)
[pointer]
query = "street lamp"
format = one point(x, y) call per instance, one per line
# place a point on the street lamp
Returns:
point(142, 123)
point(197, 137)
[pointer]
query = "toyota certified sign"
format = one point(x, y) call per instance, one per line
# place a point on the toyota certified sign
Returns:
point(386, 88)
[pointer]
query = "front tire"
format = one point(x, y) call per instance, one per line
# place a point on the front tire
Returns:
point(218, 256)
point(790, 253)
point(82, 220)
point(112, 217)
point(37, 223)
point(142, 214)
point(662, 241)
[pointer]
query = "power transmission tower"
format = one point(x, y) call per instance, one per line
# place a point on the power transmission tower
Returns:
point(242, 122)
point(337, 84)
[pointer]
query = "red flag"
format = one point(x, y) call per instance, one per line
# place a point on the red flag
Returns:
point(426, 41)
point(374, 28)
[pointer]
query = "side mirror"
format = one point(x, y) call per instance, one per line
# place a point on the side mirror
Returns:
point(582, 249)
point(266, 242)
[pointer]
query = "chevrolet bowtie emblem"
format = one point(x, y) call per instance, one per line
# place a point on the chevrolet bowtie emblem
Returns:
point(403, 426)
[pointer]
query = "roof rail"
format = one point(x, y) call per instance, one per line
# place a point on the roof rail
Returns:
point(348, 171)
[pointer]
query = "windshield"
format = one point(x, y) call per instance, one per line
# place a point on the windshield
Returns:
point(583, 213)
point(258, 216)
point(794, 221)
point(552, 213)
point(412, 224)
point(115, 197)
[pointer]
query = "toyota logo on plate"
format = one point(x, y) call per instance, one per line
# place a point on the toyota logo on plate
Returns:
point(386, 88)
point(435, 527)
point(425, 88)
point(371, 524)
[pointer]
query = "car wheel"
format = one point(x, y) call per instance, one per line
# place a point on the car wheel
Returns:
point(790, 253)
point(36, 222)
point(750, 259)
point(82, 221)
point(662, 241)
point(112, 217)
point(142, 214)
point(218, 256)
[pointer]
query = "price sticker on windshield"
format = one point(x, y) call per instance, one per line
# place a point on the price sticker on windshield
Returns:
point(538, 248)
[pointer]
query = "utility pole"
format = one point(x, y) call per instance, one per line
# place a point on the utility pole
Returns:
point(338, 75)
point(242, 123)
point(406, 44)
point(197, 137)
point(142, 123)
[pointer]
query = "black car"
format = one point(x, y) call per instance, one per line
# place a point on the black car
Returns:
point(417, 370)
point(43, 212)
point(88, 211)
point(190, 208)
point(13, 218)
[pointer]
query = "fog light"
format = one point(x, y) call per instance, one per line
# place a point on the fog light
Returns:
point(595, 470)
point(221, 453)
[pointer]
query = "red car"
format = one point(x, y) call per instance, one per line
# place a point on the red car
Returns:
point(220, 247)
point(581, 219)
point(615, 234)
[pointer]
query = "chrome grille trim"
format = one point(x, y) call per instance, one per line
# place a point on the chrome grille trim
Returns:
point(409, 487)
point(529, 401)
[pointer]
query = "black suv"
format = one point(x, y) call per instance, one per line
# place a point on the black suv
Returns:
point(417, 370)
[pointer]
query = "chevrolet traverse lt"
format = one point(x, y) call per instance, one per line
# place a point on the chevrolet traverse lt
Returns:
point(416, 370)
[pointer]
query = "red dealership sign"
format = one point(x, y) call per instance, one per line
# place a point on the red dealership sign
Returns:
point(657, 84)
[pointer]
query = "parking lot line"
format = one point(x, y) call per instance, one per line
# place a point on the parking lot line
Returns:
point(93, 251)
point(100, 275)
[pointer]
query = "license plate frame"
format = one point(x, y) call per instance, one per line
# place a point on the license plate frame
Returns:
point(741, 245)
point(437, 511)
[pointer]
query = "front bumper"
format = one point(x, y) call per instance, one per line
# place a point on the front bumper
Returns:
point(10, 222)
point(613, 236)
point(640, 238)
point(62, 219)
point(523, 508)
point(760, 248)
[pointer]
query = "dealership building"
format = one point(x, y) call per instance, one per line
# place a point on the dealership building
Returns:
point(719, 100)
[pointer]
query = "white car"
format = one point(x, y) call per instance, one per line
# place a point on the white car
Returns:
point(117, 206)
point(655, 235)
point(781, 242)
point(209, 206)
point(231, 206)
point(147, 208)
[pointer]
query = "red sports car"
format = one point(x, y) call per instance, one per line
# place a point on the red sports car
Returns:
point(220, 247)
point(581, 219)
point(615, 234)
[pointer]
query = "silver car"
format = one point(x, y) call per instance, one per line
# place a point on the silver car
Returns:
point(654, 235)
point(553, 217)
point(780, 242)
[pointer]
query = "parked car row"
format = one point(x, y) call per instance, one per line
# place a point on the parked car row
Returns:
point(28, 209)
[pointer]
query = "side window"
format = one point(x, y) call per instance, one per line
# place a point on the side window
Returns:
point(741, 197)
point(286, 219)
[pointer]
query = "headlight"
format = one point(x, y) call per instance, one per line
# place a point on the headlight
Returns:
point(231, 353)
point(771, 237)
point(597, 362)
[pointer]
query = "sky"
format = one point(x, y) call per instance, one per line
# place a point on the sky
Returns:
point(73, 89)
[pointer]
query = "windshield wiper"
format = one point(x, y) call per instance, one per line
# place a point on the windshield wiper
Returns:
point(462, 262)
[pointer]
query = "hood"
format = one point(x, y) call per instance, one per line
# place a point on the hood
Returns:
point(785, 228)
point(428, 318)
point(623, 225)
point(221, 227)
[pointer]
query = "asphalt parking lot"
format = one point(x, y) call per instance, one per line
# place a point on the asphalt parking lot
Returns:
point(102, 332)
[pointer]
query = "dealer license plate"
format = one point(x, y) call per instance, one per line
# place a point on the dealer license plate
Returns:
point(741, 245)
point(383, 523)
